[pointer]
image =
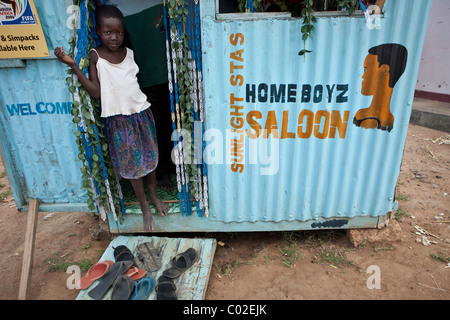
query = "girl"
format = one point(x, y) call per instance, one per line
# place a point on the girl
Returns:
point(130, 126)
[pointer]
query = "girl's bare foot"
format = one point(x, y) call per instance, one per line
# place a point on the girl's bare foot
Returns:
point(161, 207)
point(149, 223)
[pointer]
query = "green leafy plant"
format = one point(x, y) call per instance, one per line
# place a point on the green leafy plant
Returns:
point(308, 21)
point(349, 4)
point(91, 135)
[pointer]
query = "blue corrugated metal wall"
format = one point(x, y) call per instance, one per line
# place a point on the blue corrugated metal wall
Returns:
point(317, 173)
point(324, 170)
point(37, 129)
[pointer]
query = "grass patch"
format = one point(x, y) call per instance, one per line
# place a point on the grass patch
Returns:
point(5, 194)
point(62, 263)
point(335, 257)
point(289, 254)
point(441, 257)
point(402, 197)
point(399, 214)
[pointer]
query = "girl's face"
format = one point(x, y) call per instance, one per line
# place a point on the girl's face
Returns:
point(111, 32)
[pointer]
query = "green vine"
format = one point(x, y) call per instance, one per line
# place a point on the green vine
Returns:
point(309, 19)
point(306, 11)
point(257, 5)
point(97, 193)
point(350, 4)
point(307, 27)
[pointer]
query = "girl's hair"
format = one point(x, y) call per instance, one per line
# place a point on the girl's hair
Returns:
point(107, 11)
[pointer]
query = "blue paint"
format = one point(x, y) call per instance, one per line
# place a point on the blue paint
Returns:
point(26, 109)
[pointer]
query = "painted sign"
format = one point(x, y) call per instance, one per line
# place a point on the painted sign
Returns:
point(21, 34)
point(269, 98)
point(306, 137)
point(40, 108)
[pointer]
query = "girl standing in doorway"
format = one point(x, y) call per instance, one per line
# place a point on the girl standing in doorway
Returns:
point(130, 125)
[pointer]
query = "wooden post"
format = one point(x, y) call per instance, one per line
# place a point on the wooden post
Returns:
point(27, 263)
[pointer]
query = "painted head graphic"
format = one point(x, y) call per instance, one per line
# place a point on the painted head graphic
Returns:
point(383, 67)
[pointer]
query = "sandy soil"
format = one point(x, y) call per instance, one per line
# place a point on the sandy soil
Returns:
point(276, 265)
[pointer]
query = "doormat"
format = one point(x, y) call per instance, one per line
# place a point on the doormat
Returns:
point(191, 285)
point(168, 196)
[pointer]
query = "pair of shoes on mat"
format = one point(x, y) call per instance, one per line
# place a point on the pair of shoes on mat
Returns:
point(106, 282)
point(125, 288)
point(132, 284)
point(166, 289)
point(180, 263)
point(120, 275)
point(122, 253)
point(99, 269)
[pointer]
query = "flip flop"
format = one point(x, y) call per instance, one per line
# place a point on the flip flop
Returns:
point(135, 273)
point(118, 268)
point(122, 253)
point(165, 290)
point(150, 256)
point(142, 288)
point(123, 286)
point(95, 272)
point(180, 263)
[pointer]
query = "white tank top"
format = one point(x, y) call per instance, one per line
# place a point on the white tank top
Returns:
point(119, 88)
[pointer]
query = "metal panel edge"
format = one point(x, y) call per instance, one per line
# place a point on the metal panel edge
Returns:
point(177, 223)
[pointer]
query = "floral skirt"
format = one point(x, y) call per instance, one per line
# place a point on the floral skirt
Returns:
point(132, 144)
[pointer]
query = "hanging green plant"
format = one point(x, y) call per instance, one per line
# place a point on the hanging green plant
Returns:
point(350, 5)
point(307, 26)
point(98, 177)
point(307, 13)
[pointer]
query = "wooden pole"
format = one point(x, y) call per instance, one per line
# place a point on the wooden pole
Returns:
point(27, 262)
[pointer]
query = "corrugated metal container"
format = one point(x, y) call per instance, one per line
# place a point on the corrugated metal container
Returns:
point(322, 171)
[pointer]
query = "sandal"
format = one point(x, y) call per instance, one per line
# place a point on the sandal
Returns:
point(165, 290)
point(117, 269)
point(143, 288)
point(181, 263)
point(135, 273)
point(95, 272)
point(150, 256)
point(122, 288)
point(122, 253)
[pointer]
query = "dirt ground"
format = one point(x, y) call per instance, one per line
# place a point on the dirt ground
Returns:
point(405, 263)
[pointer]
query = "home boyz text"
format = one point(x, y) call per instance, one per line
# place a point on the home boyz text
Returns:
point(279, 110)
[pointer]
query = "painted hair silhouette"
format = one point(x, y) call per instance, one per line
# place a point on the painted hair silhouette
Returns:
point(383, 67)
